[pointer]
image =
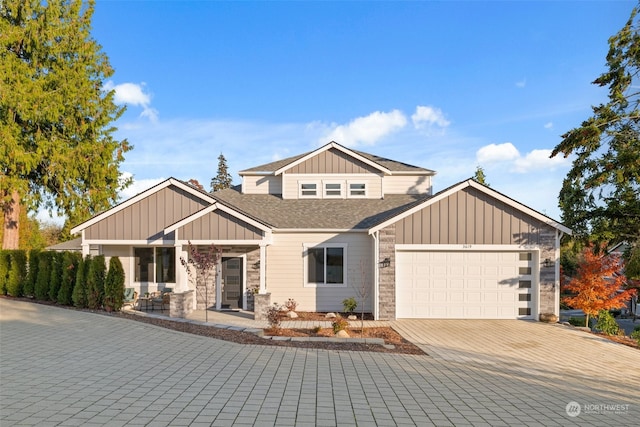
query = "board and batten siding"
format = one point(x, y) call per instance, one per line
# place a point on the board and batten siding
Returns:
point(147, 218)
point(285, 270)
point(292, 183)
point(407, 184)
point(469, 217)
point(332, 161)
point(218, 225)
point(252, 184)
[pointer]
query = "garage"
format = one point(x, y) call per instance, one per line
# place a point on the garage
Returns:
point(465, 284)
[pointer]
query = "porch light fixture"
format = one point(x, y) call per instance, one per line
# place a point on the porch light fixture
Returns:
point(548, 263)
point(385, 262)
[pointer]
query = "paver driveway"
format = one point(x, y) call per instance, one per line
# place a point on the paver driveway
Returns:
point(62, 367)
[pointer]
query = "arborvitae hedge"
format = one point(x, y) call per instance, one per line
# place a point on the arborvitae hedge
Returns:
point(5, 261)
point(44, 274)
point(70, 263)
point(114, 285)
point(56, 275)
point(17, 272)
point(79, 296)
point(95, 282)
point(32, 273)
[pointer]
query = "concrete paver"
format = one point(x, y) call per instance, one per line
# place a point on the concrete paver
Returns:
point(64, 367)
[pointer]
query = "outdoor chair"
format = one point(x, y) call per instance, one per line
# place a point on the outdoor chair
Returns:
point(130, 298)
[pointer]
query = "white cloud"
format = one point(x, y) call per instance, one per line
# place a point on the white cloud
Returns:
point(137, 186)
point(548, 125)
point(426, 116)
point(497, 153)
point(367, 130)
point(133, 94)
point(522, 83)
point(537, 160)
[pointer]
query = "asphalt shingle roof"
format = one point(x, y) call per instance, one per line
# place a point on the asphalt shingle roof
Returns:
point(337, 214)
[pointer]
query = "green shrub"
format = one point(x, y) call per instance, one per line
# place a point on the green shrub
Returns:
point(5, 261)
point(578, 321)
point(95, 282)
point(32, 273)
point(79, 295)
point(114, 285)
point(56, 275)
point(339, 324)
point(349, 304)
point(17, 272)
point(636, 334)
point(606, 323)
point(44, 275)
point(70, 261)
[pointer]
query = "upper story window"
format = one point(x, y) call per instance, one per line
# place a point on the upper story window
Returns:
point(357, 189)
point(332, 189)
point(308, 189)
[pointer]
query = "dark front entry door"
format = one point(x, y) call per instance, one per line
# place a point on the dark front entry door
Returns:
point(232, 282)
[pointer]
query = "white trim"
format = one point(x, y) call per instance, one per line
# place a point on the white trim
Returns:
point(263, 269)
point(339, 182)
point(139, 197)
point(483, 188)
point(307, 246)
point(209, 209)
point(223, 242)
point(157, 242)
point(376, 276)
point(339, 147)
point(317, 195)
point(418, 172)
point(465, 247)
point(319, 230)
point(356, 182)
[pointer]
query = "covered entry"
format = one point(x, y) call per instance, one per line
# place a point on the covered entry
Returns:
point(465, 284)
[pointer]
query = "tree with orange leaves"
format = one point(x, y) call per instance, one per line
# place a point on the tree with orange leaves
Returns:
point(598, 284)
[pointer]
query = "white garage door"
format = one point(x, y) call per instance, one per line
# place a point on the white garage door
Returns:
point(464, 285)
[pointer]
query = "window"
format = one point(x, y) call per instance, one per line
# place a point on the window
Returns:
point(143, 260)
point(325, 265)
point(524, 311)
point(357, 189)
point(333, 189)
point(524, 297)
point(164, 269)
point(308, 189)
point(166, 265)
point(525, 256)
point(524, 270)
point(524, 284)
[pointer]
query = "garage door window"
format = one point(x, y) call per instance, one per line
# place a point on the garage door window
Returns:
point(325, 265)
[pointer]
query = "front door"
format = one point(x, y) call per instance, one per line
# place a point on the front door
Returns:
point(231, 282)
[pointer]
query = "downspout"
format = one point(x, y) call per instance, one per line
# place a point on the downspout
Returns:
point(376, 274)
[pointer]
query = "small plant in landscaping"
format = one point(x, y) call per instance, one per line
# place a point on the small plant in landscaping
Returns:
point(349, 304)
point(577, 321)
point(273, 315)
point(606, 323)
point(339, 324)
point(636, 334)
point(316, 329)
point(291, 304)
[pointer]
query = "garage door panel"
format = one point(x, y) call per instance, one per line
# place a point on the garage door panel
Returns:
point(440, 284)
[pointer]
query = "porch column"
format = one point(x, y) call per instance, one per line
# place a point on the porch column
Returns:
point(180, 273)
point(86, 248)
point(263, 269)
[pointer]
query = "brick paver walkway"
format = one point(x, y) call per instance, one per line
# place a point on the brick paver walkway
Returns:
point(63, 367)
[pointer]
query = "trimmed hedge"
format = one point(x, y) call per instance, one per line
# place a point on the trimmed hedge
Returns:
point(95, 282)
point(44, 275)
point(79, 296)
point(32, 273)
point(70, 262)
point(5, 262)
point(56, 275)
point(17, 272)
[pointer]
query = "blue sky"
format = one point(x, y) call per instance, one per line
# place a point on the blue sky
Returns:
point(443, 85)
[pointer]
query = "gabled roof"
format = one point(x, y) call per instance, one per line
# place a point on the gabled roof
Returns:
point(140, 196)
point(214, 207)
point(316, 214)
point(382, 164)
point(483, 188)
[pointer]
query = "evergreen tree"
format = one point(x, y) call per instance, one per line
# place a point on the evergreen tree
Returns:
point(480, 176)
point(56, 275)
point(114, 285)
point(5, 262)
point(44, 275)
point(79, 295)
point(56, 117)
point(223, 179)
point(69, 272)
point(17, 273)
point(95, 282)
point(32, 273)
point(600, 196)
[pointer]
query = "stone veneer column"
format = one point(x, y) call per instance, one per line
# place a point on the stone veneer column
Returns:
point(253, 277)
point(181, 304)
point(262, 303)
point(387, 275)
point(547, 292)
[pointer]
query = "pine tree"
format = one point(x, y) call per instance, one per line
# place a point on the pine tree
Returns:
point(79, 295)
point(223, 179)
point(56, 119)
point(95, 282)
point(114, 285)
point(70, 263)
